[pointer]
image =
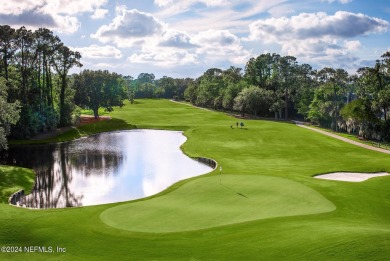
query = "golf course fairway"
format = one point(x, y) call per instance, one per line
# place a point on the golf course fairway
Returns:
point(265, 205)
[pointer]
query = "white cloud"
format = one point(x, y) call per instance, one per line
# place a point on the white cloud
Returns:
point(280, 11)
point(318, 37)
point(217, 15)
point(178, 39)
point(184, 4)
point(99, 13)
point(130, 27)
point(352, 45)
point(66, 24)
point(324, 52)
point(57, 15)
point(11, 8)
point(221, 45)
point(72, 7)
point(316, 25)
point(30, 18)
point(99, 52)
point(208, 47)
point(340, 1)
point(164, 57)
point(163, 3)
point(105, 65)
point(153, 41)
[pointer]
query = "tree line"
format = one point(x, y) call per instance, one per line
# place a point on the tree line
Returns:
point(278, 86)
point(37, 94)
point(33, 70)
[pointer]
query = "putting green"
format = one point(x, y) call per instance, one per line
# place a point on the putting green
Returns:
point(205, 203)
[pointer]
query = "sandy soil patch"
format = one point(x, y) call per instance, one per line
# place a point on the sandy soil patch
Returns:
point(86, 119)
point(351, 176)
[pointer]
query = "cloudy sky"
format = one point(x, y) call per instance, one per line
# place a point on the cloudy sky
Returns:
point(184, 38)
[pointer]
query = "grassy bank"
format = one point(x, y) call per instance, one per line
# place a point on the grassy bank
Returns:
point(281, 214)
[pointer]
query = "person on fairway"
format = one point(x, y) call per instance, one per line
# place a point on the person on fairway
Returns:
point(241, 124)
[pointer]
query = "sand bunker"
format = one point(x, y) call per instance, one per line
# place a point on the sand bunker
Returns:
point(351, 176)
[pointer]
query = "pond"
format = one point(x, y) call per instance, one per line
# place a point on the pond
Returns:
point(104, 168)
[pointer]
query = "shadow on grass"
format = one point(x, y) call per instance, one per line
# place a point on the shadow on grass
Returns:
point(13, 179)
point(238, 193)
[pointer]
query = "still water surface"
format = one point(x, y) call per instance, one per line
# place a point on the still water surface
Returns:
point(104, 168)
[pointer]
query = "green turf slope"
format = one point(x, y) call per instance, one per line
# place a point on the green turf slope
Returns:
point(210, 202)
point(13, 179)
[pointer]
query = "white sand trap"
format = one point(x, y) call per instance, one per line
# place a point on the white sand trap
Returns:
point(351, 176)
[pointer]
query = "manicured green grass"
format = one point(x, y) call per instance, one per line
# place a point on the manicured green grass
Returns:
point(101, 112)
point(13, 179)
point(266, 161)
point(216, 201)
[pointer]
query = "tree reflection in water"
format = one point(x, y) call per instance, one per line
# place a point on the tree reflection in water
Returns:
point(56, 164)
point(104, 168)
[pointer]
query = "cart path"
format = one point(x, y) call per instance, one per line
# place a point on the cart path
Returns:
point(344, 139)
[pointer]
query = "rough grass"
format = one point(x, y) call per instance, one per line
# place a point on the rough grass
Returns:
point(358, 229)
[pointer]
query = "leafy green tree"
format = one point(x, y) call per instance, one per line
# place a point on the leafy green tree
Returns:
point(167, 87)
point(254, 100)
point(232, 75)
point(96, 89)
point(9, 114)
point(231, 92)
point(190, 94)
point(180, 87)
point(278, 104)
point(285, 73)
point(357, 116)
point(24, 59)
point(304, 91)
point(129, 88)
point(259, 70)
point(383, 101)
point(63, 60)
point(45, 43)
point(210, 84)
point(146, 77)
point(329, 98)
point(7, 47)
point(131, 96)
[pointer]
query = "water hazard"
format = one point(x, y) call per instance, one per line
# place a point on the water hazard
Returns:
point(104, 168)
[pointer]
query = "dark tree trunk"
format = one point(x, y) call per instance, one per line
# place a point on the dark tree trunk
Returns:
point(286, 104)
point(50, 86)
point(62, 101)
point(96, 113)
point(6, 66)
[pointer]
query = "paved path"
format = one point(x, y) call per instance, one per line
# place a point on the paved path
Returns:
point(344, 139)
